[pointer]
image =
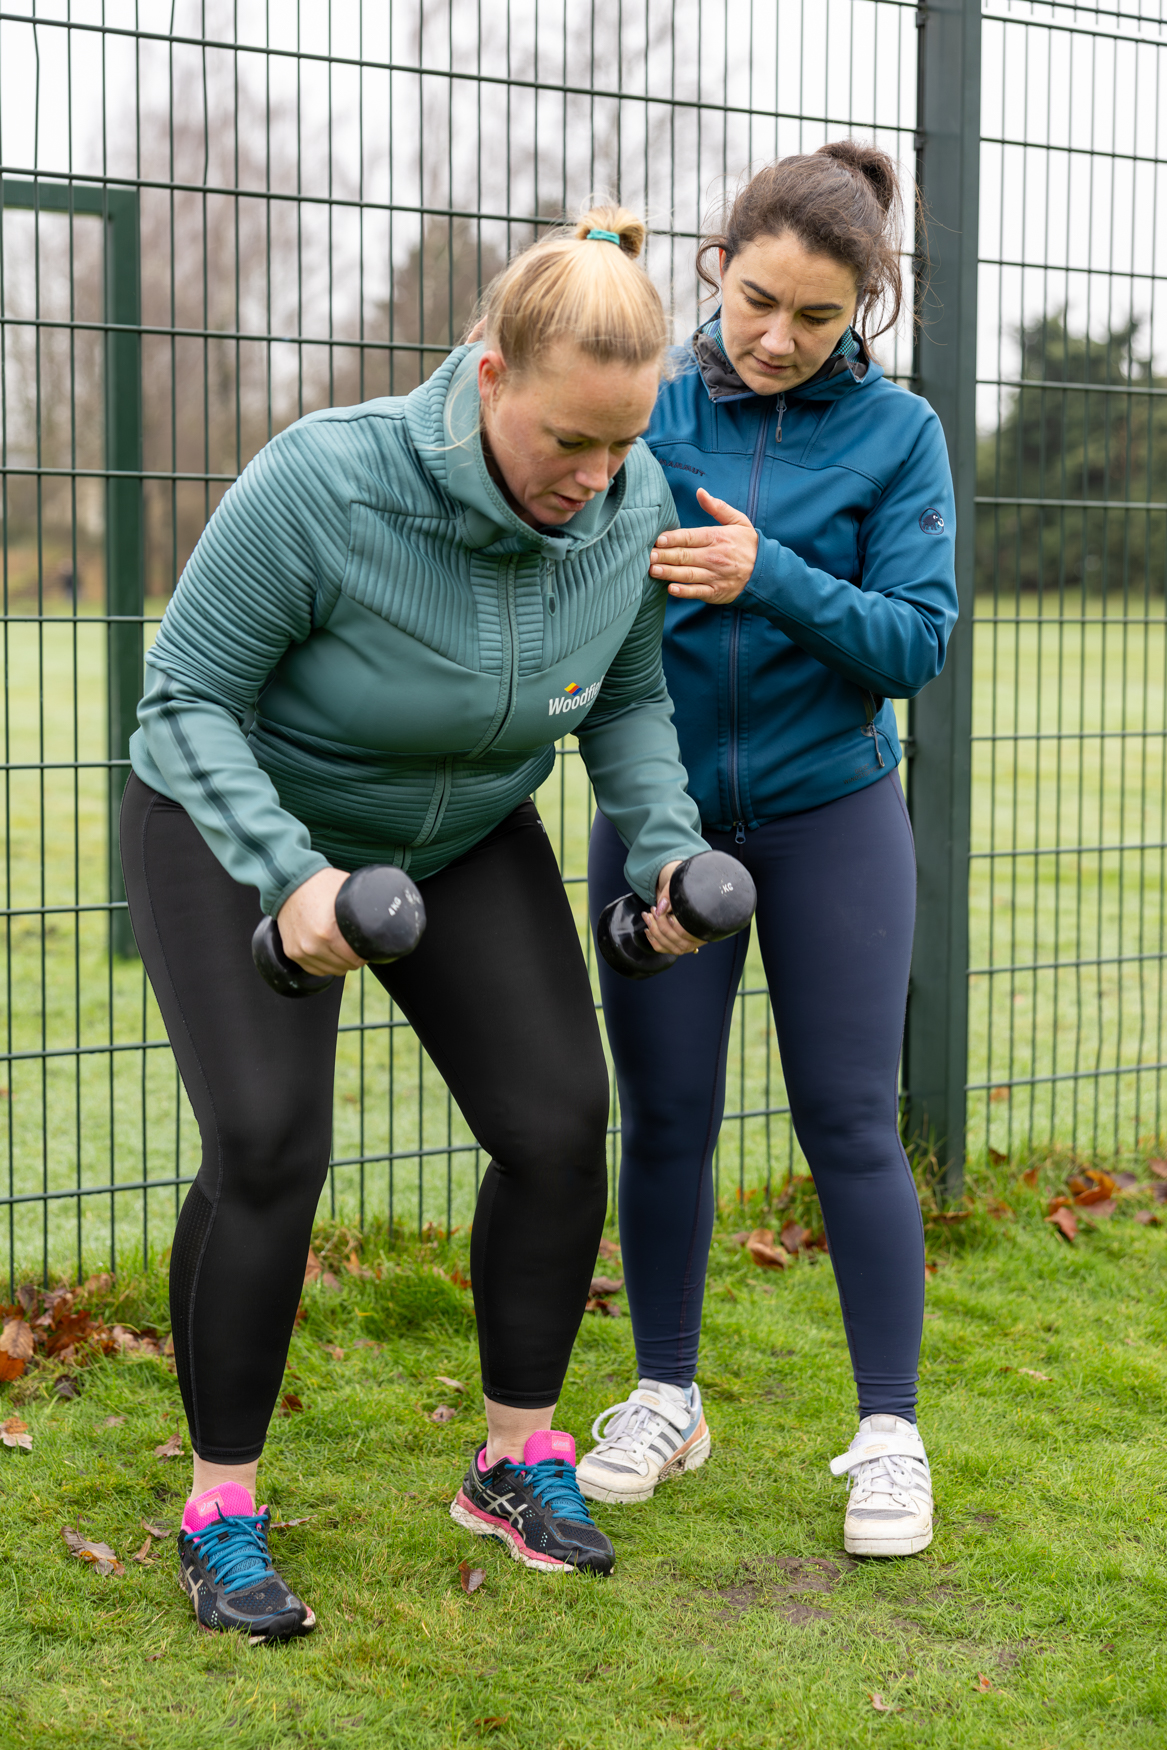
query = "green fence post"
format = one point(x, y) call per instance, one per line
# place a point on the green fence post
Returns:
point(940, 723)
point(124, 509)
point(124, 516)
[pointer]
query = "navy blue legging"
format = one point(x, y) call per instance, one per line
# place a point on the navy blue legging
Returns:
point(836, 910)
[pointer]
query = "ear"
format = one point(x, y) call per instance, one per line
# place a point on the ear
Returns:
point(492, 370)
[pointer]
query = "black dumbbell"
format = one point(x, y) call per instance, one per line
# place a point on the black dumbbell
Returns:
point(713, 896)
point(380, 914)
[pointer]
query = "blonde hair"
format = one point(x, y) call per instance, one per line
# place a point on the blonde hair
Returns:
point(566, 287)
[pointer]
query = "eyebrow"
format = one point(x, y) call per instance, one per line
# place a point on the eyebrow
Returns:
point(581, 437)
point(771, 299)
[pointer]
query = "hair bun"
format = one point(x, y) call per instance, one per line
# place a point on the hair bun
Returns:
point(623, 224)
point(874, 166)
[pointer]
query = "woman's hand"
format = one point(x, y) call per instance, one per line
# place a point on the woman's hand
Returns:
point(307, 926)
point(713, 565)
point(664, 932)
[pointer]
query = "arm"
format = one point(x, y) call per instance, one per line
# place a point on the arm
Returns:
point(629, 747)
point(889, 635)
point(249, 591)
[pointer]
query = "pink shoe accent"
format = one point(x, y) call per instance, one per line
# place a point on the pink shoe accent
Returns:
point(504, 1528)
point(203, 1510)
point(544, 1444)
point(483, 1467)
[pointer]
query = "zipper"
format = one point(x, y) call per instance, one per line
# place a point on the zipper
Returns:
point(781, 416)
point(509, 634)
point(735, 800)
point(871, 728)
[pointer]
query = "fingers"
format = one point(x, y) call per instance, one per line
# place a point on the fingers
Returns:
point(725, 513)
point(666, 934)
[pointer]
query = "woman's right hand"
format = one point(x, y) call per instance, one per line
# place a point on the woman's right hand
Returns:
point(307, 926)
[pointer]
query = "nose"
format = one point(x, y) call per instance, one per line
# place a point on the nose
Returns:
point(778, 340)
point(593, 474)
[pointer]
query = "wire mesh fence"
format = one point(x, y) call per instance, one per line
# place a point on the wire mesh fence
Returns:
point(309, 198)
point(218, 217)
point(1069, 784)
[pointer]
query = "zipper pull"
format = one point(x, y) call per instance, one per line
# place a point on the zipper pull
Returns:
point(739, 832)
point(781, 415)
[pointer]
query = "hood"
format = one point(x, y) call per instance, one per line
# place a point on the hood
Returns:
point(849, 367)
point(443, 416)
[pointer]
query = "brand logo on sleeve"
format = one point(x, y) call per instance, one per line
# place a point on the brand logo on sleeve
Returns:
point(574, 697)
point(932, 522)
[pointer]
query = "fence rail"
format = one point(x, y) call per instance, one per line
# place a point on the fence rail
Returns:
point(216, 219)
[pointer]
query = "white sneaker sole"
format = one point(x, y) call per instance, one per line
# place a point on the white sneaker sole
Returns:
point(867, 1545)
point(482, 1528)
point(691, 1456)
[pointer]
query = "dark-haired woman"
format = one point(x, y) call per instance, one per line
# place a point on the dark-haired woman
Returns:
point(812, 584)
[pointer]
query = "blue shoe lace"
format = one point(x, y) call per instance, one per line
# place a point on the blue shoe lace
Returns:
point(553, 1483)
point(235, 1549)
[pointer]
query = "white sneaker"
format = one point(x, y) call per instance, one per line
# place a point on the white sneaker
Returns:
point(657, 1432)
point(889, 1509)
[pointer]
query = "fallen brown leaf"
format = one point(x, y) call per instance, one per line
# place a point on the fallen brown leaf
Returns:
point(313, 1269)
point(997, 1094)
point(599, 1303)
point(1160, 1193)
point(443, 1413)
point(100, 1284)
point(287, 1524)
point(454, 1384)
point(1159, 1168)
point(472, 1578)
point(28, 1294)
point(100, 1554)
point(291, 1404)
point(1101, 1211)
point(14, 1432)
point(741, 1238)
point(66, 1387)
point(142, 1555)
point(156, 1529)
point(609, 1249)
point(1066, 1222)
point(1056, 1203)
point(997, 1209)
point(794, 1237)
point(114, 1422)
point(457, 1278)
point(17, 1339)
point(881, 1706)
point(492, 1722)
point(948, 1217)
point(930, 1269)
point(1147, 1217)
point(1029, 1176)
point(1092, 1194)
point(10, 1368)
point(356, 1268)
point(171, 1448)
point(328, 1280)
point(983, 1684)
point(606, 1285)
point(998, 1157)
point(760, 1245)
point(1126, 1181)
point(1033, 1373)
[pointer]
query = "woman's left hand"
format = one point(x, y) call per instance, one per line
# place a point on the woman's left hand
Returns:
point(664, 932)
point(712, 565)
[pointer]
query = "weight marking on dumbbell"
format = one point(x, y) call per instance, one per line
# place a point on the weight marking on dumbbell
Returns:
point(727, 886)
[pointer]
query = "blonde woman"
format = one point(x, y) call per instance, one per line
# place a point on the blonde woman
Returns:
point(367, 660)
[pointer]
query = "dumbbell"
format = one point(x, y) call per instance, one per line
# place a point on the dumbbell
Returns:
point(713, 896)
point(380, 914)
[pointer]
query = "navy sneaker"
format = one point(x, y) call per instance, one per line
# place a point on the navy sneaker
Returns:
point(226, 1568)
point(534, 1508)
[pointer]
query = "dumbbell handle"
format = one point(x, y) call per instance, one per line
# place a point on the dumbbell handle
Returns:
point(712, 896)
point(380, 914)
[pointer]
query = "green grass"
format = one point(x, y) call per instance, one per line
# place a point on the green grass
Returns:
point(732, 1622)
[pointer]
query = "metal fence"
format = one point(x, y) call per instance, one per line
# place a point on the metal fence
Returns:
point(219, 216)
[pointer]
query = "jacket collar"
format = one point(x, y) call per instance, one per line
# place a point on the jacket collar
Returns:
point(446, 408)
point(849, 367)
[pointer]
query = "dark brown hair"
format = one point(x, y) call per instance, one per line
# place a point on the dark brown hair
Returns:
point(842, 201)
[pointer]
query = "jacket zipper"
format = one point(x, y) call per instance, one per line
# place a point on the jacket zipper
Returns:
point(735, 801)
point(781, 416)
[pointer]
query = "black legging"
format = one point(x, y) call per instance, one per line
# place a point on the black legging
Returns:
point(498, 994)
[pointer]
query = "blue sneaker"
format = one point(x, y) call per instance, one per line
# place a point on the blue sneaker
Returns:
point(535, 1508)
point(226, 1568)
point(658, 1432)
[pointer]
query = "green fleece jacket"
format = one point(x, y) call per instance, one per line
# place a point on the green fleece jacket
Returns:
point(369, 657)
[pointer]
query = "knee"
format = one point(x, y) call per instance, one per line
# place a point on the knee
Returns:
point(265, 1159)
point(561, 1131)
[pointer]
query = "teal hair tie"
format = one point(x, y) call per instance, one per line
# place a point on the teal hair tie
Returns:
point(604, 237)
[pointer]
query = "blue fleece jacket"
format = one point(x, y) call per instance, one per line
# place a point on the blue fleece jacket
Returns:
point(782, 699)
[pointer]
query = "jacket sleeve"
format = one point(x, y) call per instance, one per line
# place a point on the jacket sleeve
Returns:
point(248, 591)
point(630, 749)
point(889, 634)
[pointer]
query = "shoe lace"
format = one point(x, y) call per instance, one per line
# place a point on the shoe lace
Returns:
point(235, 1549)
point(553, 1483)
point(632, 1429)
point(890, 1474)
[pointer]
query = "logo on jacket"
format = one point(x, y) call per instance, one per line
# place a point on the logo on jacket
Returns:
point(575, 697)
point(932, 522)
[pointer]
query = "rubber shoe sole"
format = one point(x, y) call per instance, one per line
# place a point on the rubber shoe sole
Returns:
point(467, 1516)
point(865, 1544)
point(690, 1456)
point(305, 1627)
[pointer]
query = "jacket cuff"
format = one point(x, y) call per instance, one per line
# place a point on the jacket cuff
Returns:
point(272, 899)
